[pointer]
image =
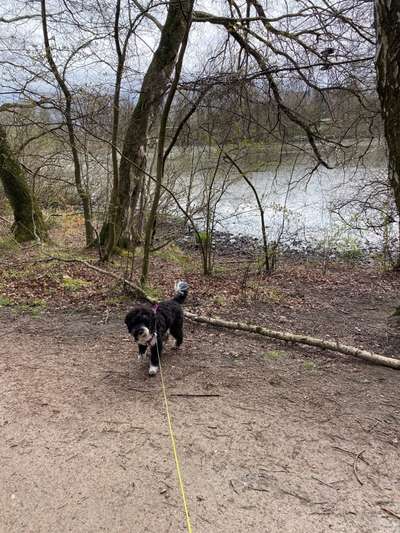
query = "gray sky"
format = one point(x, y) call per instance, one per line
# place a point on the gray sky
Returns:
point(21, 43)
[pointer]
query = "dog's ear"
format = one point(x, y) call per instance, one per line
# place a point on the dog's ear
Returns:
point(129, 317)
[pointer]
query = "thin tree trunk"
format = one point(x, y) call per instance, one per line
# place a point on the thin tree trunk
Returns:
point(28, 220)
point(134, 150)
point(267, 264)
point(161, 157)
point(388, 85)
point(121, 49)
point(82, 190)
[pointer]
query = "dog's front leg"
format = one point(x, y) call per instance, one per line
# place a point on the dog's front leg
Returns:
point(155, 352)
point(142, 351)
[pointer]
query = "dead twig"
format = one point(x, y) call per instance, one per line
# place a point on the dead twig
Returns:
point(258, 489)
point(358, 456)
point(137, 289)
point(323, 483)
point(388, 511)
point(233, 487)
point(5, 220)
point(349, 452)
point(295, 495)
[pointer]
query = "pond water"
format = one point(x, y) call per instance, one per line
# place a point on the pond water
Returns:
point(301, 208)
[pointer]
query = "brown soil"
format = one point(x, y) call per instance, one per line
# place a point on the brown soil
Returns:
point(297, 440)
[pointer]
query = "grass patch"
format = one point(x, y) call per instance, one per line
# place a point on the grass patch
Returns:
point(33, 308)
point(264, 293)
point(9, 244)
point(309, 365)
point(116, 300)
point(5, 301)
point(220, 269)
point(219, 300)
point(74, 284)
point(202, 237)
point(275, 354)
point(152, 293)
point(173, 254)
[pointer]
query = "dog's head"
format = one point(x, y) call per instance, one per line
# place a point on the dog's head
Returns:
point(140, 322)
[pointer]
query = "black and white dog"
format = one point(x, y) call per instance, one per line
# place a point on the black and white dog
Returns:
point(150, 326)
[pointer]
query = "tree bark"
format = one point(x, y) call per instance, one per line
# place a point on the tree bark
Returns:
point(124, 196)
point(388, 85)
point(28, 220)
point(161, 155)
point(81, 189)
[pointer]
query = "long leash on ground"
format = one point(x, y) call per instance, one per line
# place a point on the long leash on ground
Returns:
point(174, 447)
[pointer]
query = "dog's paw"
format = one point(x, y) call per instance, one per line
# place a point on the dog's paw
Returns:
point(153, 370)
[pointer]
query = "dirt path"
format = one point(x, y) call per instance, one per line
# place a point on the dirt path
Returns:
point(297, 440)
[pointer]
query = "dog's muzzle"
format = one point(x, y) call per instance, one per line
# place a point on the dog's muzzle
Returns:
point(142, 335)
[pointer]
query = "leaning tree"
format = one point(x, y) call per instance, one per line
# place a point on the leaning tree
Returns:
point(28, 220)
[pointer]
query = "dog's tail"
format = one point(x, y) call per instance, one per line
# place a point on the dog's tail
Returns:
point(181, 291)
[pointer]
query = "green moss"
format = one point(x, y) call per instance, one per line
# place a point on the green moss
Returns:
point(202, 237)
point(122, 252)
point(152, 293)
point(38, 303)
point(309, 365)
point(173, 254)
point(5, 301)
point(74, 284)
point(115, 300)
point(8, 243)
point(219, 300)
point(396, 312)
point(33, 307)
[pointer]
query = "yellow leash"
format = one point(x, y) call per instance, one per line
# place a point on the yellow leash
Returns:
point(174, 448)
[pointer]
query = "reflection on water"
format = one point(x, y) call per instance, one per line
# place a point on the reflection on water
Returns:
point(302, 206)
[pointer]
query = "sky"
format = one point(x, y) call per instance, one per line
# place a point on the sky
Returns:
point(21, 43)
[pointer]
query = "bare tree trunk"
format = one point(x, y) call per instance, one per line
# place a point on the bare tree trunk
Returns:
point(133, 156)
point(82, 190)
point(268, 265)
point(28, 220)
point(388, 84)
point(121, 49)
point(161, 157)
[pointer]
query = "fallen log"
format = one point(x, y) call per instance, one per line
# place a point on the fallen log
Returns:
point(286, 336)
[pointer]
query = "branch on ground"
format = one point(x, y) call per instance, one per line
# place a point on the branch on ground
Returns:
point(286, 336)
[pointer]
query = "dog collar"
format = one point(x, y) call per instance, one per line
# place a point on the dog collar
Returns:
point(153, 340)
